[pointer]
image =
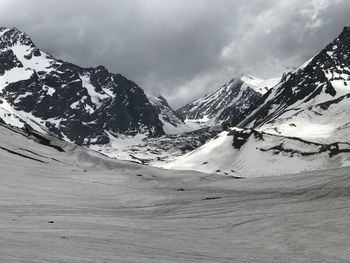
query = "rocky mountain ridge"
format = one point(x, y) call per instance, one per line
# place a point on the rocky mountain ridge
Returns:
point(81, 105)
point(229, 104)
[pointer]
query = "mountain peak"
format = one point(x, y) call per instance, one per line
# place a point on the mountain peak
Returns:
point(244, 75)
point(163, 100)
point(345, 34)
point(258, 84)
point(322, 80)
point(82, 105)
point(11, 36)
point(346, 29)
point(4, 28)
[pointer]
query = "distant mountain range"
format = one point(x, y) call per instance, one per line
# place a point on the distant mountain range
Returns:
point(300, 124)
point(229, 104)
point(290, 124)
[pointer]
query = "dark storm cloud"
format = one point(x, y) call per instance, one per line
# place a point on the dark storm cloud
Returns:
point(180, 48)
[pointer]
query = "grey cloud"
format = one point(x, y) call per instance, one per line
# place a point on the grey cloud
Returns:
point(181, 49)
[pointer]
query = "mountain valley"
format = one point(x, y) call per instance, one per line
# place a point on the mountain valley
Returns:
point(291, 124)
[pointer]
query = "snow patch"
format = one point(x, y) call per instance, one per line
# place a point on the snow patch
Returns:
point(96, 97)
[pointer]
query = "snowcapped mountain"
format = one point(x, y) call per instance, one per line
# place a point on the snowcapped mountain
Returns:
point(313, 101)
point(288, 125)
point(229, 104)
point(173, 122)
point(259, 85)
point(61, 202)
point(301, 124)
point(179, 138)
point(82, 105)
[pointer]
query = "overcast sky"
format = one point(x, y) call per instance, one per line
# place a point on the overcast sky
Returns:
point(180, 48)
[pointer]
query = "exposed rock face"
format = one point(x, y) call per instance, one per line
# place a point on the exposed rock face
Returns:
point(166, 113)
point(301, 124)
point(82, 105)
point(230, 104)
point(323, 80)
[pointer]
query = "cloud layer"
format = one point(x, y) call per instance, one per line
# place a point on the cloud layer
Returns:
point(181, 49)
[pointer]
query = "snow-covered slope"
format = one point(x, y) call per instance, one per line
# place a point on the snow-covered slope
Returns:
point(249, 153)
point(79, 206)
point(145, 150)
point(313, 101)
point(78, 104)
point(17, 118)
point(229, 104)
point(172, 121)
point(178, 139)
point(302, 123)
point(259, 85)
point(87, 106)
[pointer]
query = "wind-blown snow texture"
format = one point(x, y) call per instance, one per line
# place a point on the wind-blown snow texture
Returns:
point(78, 206)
